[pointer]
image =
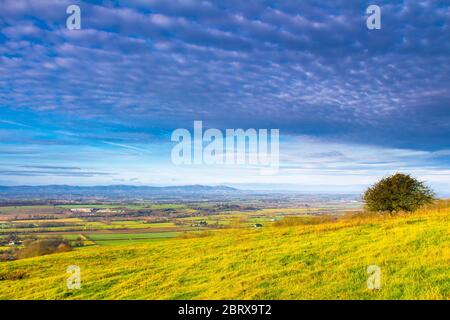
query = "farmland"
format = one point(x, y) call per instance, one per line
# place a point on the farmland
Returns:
point(295, 257)
point(127, 223)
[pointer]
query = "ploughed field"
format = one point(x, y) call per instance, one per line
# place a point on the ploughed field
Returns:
point(292, 258)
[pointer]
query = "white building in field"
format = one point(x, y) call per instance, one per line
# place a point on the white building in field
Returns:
point(110, 211)
point(82, 210)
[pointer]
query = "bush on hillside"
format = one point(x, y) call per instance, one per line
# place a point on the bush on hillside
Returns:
point(399, 192)
point(41, 247)
point(300, 221)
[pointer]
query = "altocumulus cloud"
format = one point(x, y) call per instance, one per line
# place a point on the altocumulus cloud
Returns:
point(138, 69)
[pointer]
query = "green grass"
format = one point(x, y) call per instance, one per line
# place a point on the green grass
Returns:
point(72, 237)
point(160, 225)
point(314, 261)
point(111, 239)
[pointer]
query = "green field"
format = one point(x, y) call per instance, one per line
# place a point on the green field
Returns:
point(111, 239)
point(326, 260)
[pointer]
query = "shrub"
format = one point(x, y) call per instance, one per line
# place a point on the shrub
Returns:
point(43, 247)
point(298, 221)
point(7, 255)
point(399, 192)
point(78, 242)
point(12, 275)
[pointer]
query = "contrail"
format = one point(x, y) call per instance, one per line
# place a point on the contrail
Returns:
point(16, 123)
point(125, 146)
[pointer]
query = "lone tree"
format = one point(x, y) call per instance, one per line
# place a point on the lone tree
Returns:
point(399, 192)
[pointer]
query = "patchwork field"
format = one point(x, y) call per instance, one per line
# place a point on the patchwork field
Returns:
point(158, 220)
point(295, 259)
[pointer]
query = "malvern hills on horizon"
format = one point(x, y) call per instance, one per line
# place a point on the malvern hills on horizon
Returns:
point(161, 193)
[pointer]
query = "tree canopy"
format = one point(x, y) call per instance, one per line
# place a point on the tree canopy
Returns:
point(398, 192)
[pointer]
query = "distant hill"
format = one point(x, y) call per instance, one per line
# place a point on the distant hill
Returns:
point(119, 193)
point(112, 191)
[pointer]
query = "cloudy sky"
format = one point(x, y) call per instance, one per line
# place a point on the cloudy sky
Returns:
point(98, 105)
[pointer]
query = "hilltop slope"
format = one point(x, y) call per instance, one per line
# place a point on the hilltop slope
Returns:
point(326, 261)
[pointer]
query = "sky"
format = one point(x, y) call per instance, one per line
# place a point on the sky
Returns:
point(98, 105)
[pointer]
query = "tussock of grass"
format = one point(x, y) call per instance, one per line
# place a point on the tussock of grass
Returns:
point(12, 275)
point(298, 221)
point(328, 260)
point(199, 234)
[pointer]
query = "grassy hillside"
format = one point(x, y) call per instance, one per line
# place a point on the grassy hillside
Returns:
point(314, 261)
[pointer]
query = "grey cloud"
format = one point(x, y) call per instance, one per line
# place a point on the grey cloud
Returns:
point(52, 167)
point(304, 67)
point(69, 173)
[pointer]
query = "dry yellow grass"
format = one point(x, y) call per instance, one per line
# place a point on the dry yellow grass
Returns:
point(315, 261)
